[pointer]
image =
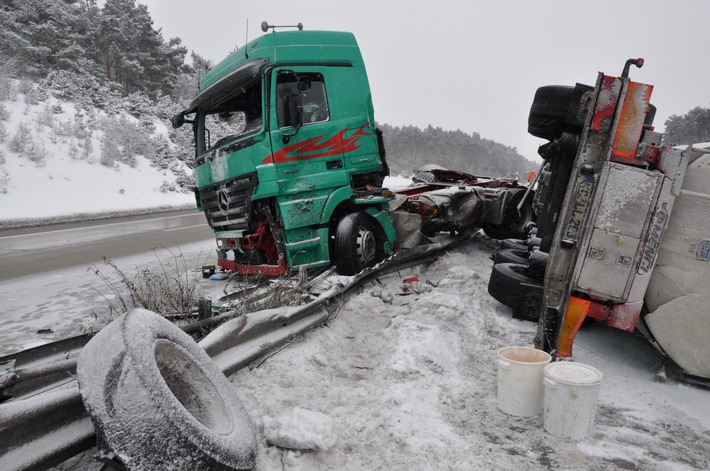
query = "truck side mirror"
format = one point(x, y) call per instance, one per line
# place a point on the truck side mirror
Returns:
point(294, 105)
point(304, 83)
point(178, 120)
point(295, 109)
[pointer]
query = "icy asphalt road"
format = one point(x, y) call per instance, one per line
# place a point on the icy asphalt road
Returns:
point(37, 250)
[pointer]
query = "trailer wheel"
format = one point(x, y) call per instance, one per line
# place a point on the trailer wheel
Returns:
point(358, 244)
point(510, 285)
point(516, 244)
point(510, 256)
point(159, 401)
point(548, 113)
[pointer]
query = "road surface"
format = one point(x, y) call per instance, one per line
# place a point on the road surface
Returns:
point(32, 251)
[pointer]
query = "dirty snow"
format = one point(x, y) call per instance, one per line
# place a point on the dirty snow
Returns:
point(409, 382)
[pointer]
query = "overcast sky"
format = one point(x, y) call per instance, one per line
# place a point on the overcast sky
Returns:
point(474, 65)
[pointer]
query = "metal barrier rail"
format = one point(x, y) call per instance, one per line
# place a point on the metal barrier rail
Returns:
point(51, 424)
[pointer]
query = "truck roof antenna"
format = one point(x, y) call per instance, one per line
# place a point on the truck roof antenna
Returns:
point(637, 62)
point(265, 26)
point(246, 42)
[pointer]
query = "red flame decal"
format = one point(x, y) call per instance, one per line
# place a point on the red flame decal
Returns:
point(313, 148)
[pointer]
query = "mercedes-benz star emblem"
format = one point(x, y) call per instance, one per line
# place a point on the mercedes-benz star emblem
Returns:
point(223, 200)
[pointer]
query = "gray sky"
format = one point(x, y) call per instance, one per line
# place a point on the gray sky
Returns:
point(474, 65)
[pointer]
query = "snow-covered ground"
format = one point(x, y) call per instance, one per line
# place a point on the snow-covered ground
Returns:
point(409, 382)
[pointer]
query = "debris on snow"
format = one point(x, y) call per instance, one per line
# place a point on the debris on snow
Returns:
point(300, 429)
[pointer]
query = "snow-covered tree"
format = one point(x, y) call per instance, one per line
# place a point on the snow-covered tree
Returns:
point(692, 127)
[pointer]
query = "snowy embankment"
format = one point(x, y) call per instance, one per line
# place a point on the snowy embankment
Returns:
point(54, 164)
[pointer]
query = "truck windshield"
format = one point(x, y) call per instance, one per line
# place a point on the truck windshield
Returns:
point(239, 114)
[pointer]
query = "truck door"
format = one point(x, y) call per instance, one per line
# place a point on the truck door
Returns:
point(308, 149)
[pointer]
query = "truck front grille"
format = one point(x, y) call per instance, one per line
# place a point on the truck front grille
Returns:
point(227, 205)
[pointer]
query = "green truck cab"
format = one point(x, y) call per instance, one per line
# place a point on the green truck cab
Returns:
point(287, 154)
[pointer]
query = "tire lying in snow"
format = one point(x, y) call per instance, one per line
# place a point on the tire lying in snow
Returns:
point(159, 401)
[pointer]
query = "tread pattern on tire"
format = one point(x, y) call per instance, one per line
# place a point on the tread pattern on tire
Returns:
point(157, 399)
point(510, 285)
point(346, 244)
point(548, 112)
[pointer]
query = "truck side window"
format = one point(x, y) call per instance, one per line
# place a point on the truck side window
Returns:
point(314, 101)
point(237, 114)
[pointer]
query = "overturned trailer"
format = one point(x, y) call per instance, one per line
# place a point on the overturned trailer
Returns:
point(623, 229)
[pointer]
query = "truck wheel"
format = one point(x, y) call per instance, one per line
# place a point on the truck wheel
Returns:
point(510, 256)
point(358, 244)
point(159, 401)
point(548, 113)
point(517, 244)
point(510, 285)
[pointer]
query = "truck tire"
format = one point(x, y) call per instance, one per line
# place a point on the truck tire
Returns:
point(358, 244)
point(159, 401)
point(512, 243)
point(548, 113)
point(510, 285)
point(510, 256)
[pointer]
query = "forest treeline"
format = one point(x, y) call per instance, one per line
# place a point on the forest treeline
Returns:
point(114, 59)
point(690, 128)
point(410, 148)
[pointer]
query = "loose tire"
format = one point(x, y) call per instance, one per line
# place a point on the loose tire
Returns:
point(510, 285)
point(159, 401)
point(358, 244)
point(548, 113)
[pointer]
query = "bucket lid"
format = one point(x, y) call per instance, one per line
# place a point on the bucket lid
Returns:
point(573, 373)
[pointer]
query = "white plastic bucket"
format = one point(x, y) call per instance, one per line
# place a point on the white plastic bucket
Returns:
point(520, 389)
point(571, 396)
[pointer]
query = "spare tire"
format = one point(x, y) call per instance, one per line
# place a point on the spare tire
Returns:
point(159, 401)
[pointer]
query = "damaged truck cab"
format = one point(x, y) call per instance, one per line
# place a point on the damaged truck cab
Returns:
point(286, 150)
point(289, 165)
